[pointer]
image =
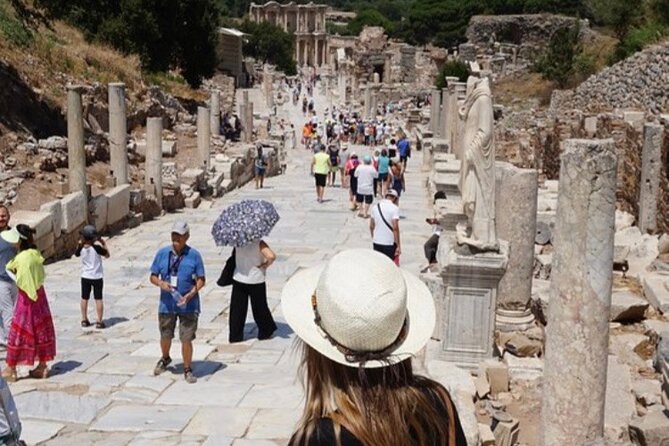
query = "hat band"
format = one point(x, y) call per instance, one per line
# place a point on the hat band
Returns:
point(354, 356)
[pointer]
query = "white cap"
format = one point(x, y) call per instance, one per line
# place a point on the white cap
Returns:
point(180, 227)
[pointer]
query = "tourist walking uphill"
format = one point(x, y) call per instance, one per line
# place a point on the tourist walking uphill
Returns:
point(7, 286)
point(178, 270)
point(32, 335)
point(357, 344)
point(385, 227)
point(320, 168)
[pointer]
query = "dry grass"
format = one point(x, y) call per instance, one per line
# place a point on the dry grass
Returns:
point(524, 91)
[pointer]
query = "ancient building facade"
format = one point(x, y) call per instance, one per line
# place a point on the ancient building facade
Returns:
point(305, 22)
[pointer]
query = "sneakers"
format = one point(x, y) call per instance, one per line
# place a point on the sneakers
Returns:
point(189, 377)
point(161, 366)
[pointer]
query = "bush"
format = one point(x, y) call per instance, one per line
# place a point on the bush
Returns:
point(454, 68)
point(557, 62)
point(639, 38)
point(12, 28)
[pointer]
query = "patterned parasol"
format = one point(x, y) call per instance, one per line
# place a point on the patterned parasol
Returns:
point(244, 222)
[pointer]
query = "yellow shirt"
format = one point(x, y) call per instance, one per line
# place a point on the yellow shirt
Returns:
point(28, 266)
point(321, 160)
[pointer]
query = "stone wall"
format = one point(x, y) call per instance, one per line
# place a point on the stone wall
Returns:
point(638, 82)
point(531, 32)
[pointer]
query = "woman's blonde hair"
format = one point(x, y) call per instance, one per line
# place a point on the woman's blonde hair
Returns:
point(386, 406)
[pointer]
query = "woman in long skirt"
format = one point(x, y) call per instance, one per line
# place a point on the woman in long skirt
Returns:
point(32, 335)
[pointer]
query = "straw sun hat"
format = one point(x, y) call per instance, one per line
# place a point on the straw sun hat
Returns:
point(358, 311)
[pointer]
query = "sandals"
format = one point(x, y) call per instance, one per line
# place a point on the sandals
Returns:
point(100, 325)
point(10, 375)
point(85, 323)
point(39, 372)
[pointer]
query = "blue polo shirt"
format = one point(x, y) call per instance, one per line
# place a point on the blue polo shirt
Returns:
point(403, 147)
point(187, 267)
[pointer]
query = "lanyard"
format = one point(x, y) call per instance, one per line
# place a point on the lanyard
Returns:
point(174, 267)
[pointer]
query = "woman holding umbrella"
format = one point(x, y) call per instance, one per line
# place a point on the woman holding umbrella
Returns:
point(243, 225)
point(248, 282)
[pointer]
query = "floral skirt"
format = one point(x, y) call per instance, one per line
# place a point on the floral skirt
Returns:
point(32, 334)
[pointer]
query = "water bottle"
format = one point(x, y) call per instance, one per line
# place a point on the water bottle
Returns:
point(176, 295)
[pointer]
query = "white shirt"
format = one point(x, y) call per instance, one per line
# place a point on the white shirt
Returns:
point(247, 258)
point(365, 175)
point(91, 263)
point(382, 234)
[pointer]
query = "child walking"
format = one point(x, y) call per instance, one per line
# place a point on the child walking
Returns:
point(91, 254)
point(32, 334)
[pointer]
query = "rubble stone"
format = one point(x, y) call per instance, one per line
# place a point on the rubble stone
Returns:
point(627, 307)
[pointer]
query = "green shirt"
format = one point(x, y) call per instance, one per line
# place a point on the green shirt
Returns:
point(28, 266)
point(321, 160)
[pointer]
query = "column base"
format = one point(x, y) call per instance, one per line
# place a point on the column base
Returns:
point(513, 320)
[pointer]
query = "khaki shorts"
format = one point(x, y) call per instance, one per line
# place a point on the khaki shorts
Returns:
point(167, 322)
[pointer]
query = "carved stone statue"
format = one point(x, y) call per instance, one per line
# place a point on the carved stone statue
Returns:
point(477, 175)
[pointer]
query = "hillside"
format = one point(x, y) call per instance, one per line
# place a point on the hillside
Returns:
point(39, 57)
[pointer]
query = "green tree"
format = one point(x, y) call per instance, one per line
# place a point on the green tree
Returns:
point(164, 33)
point(453, 68)
point(621, 15)
point(557, 62)
point(368, 17)
point(269, 43)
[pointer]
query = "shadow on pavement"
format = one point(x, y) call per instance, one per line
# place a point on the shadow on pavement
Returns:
point(63, 367)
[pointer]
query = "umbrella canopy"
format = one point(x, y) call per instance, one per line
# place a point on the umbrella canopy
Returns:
point(244, 222)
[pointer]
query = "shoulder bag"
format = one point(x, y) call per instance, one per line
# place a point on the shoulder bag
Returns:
point(228, 271)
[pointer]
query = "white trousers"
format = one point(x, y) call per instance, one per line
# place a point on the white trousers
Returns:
point(8, 294)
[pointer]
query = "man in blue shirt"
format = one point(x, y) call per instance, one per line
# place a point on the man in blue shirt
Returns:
point(404, 148)
point(178, 270)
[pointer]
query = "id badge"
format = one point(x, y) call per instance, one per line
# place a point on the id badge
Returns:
point(173, 281)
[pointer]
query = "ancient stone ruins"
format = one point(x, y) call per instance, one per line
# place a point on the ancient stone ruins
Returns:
point(552, 285)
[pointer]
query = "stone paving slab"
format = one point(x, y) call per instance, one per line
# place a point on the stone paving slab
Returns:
point(136, 418)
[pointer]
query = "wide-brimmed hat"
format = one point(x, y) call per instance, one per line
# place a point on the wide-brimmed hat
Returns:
point(359, 309)
point(11, 235)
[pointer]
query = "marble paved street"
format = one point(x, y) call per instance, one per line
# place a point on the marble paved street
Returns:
point(102, 391)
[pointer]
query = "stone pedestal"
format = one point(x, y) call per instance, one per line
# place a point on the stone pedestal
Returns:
point(577, 333)
point(215, 108)
point(467, 308)
point(118, 131)
point(203, 137)
point(76, 155)
point(153, 177)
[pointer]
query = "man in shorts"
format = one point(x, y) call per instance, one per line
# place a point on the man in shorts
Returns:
point(404, 149)
point(366, 174)
point(178, 270)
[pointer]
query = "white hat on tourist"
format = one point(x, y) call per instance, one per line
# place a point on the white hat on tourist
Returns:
point(358, 311)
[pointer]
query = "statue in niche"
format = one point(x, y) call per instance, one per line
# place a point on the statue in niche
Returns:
point(477, 174)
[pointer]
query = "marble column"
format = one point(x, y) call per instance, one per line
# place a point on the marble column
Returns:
point(373, 108)
point(443, 116)
point(577, 333)
point(368, 102)
point(203, 137)
point(516, 222)
point(651, 167)
point(76, 154)
point(153, 176)
point(215, 107)
point(118, 133)
point(249, 122)
point(342, 89)
point(305, 59)
point(435, 111)
point(242, 118)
